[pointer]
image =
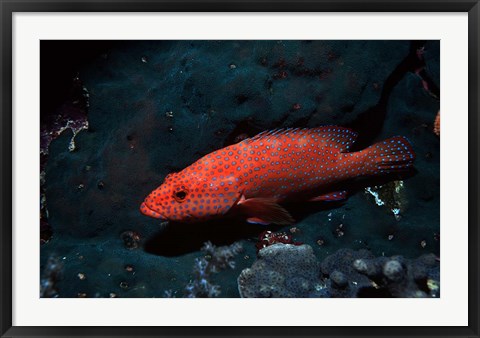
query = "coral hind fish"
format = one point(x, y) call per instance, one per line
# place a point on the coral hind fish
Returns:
point(254, 176)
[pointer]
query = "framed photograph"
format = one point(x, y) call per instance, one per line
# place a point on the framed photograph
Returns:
point(239, 169)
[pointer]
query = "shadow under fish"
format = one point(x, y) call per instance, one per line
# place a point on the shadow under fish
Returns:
point(180, 238)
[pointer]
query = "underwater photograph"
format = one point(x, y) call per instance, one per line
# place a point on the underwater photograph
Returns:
point(239, 168)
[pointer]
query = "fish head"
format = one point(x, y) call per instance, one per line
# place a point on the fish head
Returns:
point(185, 197)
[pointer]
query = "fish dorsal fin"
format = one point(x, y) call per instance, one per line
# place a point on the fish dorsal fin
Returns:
point(268, 134)
point(334, 136)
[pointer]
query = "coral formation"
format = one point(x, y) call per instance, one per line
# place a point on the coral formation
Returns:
point(131, 239)
point(360, 274)
point(391, 195)
point(267, 238)
point(282, 270)
point(71, 115)
point(52, 272)
point(399, 277)
point(215, 259)
point(285, 270)
point(341, 278)
point(436, 124)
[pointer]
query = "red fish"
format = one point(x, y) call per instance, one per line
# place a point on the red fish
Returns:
point(254, 176)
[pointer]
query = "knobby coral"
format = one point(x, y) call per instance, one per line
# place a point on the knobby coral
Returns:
point(282, 270)
point(285, 270)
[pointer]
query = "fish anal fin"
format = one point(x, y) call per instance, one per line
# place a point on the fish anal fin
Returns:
point(265, 211)
point(256, 220)
point(330, 197)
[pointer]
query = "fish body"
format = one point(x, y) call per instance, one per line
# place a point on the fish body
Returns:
point(254, 176)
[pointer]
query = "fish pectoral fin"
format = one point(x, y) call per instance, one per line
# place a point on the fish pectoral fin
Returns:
point(330, 197)
point(265, 211)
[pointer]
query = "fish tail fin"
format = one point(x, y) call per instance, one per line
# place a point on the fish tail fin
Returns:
point(392, 155)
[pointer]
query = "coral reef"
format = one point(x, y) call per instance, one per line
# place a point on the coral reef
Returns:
point(341, 278)
point(215, 259)
point(391, 195)
point(72, 114)
point(131, 239)
point(267, 238)
point(399, 277)
point(282, 270)
point(359, 274)
point(52, 272)
point(285, 270)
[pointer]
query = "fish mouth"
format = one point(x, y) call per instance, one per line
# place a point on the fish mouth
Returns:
point(144, 209)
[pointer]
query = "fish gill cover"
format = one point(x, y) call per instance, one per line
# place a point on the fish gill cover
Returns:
point(118, 117)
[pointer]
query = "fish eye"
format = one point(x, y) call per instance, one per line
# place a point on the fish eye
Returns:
point(180, 195)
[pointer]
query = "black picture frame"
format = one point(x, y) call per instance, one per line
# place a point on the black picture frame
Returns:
point(8, 7)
